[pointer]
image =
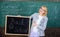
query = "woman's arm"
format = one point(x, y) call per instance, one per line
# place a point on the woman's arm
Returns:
point(42, 26)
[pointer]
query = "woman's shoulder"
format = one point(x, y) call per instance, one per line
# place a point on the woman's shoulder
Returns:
point(46, 18)
point(36, 13)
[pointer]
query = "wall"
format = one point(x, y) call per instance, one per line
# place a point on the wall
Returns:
point(28, 8)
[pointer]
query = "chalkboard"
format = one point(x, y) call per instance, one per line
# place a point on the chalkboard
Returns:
point(27, 8)
point(17, 25)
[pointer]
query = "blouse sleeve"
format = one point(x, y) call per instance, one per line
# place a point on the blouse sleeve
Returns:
point(32, 15)
point(42, 26)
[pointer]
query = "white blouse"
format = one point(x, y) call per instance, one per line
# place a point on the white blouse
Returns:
point(41, 22)
point(35, 29)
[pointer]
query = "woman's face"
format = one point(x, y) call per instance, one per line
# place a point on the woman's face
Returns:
point(42, 10)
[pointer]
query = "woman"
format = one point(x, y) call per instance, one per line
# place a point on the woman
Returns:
point(39, 23)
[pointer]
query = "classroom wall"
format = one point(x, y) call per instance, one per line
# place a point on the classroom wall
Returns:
point(28, 8)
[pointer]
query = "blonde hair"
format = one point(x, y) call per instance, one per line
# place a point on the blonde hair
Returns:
point(45, 10)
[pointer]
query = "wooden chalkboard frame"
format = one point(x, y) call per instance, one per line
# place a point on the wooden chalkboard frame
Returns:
point(16, 16)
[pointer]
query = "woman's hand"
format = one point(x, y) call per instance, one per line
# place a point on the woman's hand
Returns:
point(34, 24)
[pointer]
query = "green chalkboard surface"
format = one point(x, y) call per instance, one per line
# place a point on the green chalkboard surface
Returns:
point(28, 8)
